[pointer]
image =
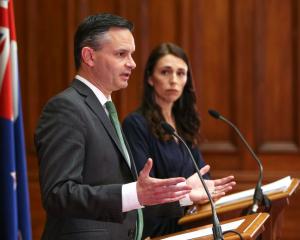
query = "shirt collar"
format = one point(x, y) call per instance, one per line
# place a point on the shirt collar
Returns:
point(101, 97)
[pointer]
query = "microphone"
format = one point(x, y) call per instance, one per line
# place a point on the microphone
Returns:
point(217, 230)
point(258, 196)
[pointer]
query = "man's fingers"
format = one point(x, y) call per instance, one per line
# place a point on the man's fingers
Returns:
point(169, 182)
point(144, 173)
point(147, 168)
point(224, 180)
point(217, 195)
point(232, 183)
point(198, 196)
point(224, 188)
point(164, 197)
point(169, 194)
point(220, 191)
point(171, 189)
point(152, 191)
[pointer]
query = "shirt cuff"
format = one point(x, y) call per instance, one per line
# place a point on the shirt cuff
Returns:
point(186, 201)
point(130, 199)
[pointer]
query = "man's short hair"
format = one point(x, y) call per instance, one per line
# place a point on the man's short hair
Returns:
point(92, 28)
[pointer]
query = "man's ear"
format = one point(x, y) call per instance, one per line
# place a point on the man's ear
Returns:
point(87, 56)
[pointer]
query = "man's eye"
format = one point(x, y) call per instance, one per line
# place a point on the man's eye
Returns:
point(120, 54)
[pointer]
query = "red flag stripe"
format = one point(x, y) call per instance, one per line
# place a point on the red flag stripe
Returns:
point(11, 19)
point(8, 32)
point(4, 19)
point(6, 100)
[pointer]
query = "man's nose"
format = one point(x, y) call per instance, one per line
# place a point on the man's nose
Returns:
point(131, 63)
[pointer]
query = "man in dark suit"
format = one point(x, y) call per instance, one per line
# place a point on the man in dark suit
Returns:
point(89, 185)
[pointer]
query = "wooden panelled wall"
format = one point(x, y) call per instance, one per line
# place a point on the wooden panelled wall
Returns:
point(245, 57)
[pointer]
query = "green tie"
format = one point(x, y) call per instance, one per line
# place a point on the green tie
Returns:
point(113, 115)
point(139, 225)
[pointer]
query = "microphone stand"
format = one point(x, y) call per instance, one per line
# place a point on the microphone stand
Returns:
point(217, 230)
point(258, 197)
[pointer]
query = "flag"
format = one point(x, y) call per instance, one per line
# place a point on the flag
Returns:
point(15, 221)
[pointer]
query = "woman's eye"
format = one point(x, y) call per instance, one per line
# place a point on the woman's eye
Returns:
point(165, 72)
point(181, 74)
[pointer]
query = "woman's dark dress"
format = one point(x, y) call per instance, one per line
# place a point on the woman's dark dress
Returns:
point(170, 159)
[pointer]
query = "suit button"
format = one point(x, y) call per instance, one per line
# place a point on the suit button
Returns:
point(131, 233)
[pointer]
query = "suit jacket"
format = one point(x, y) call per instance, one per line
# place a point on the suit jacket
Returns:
point(82, 169)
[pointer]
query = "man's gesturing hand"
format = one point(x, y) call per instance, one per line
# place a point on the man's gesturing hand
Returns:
point(152, 191)
point(217, 187)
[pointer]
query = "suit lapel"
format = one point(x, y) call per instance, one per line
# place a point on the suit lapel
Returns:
point(133, 167)
point(94, 104)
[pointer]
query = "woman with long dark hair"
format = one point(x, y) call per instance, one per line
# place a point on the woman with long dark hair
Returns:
point(169, 96)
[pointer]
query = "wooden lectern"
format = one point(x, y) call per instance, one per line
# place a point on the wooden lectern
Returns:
point(201, 214)
point(251, 228)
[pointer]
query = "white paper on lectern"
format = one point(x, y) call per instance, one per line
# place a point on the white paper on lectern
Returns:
point(205, 231)
point(277, 186)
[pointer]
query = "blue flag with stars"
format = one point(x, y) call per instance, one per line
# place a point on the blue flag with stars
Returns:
point(15, 221)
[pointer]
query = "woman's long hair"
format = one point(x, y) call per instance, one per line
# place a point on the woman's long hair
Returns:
point(184, 110)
